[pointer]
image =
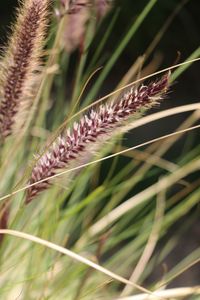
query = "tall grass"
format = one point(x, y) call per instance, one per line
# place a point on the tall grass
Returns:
point(89, 209)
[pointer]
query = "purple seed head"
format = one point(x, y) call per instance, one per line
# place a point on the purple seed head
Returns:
point(21, 63)
point(92, 131)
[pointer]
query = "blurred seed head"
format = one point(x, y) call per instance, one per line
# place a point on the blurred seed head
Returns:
point(79, 13)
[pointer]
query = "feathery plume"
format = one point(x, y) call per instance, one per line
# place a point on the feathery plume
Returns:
point(94, 129)
point(102, 7)
point(78, 15)
point(75, 25)
point(20, 67)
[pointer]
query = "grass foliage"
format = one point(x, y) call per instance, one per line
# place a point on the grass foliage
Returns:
point(109, 232)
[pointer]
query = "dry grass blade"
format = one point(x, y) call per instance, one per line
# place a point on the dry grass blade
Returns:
point(74, 256)
point(125, 207)
point(196, 261)
point(150, 245)
point(98, 160)
point(176, 293)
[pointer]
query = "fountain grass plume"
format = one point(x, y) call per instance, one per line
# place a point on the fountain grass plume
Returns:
point(76, 145)
point(21, 65)
point(79, 13)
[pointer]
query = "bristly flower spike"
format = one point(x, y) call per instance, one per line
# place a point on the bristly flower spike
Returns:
point(79, 13)
point(92, 131)
point(20, 67)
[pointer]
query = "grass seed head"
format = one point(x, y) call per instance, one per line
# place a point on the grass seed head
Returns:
point(92, 131)
point(21, 65)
